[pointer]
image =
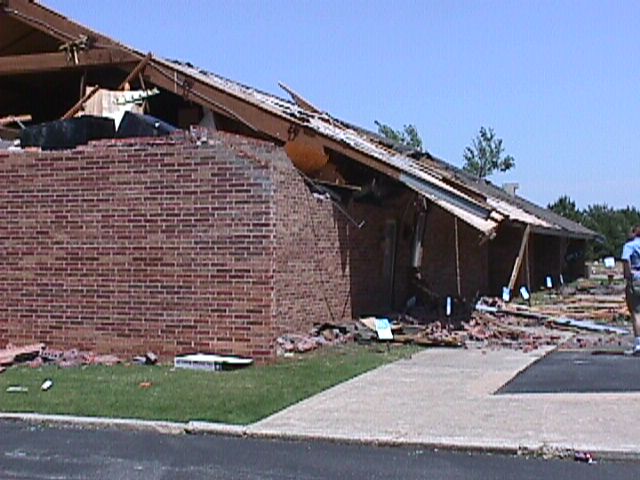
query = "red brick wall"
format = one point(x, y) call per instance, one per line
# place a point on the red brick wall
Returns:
point(327, 269)
point(140, 245)
point(312, 270)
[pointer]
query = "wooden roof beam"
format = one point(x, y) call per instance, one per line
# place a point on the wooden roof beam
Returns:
point(57, 61)
point(52, 23)
point(218, 100)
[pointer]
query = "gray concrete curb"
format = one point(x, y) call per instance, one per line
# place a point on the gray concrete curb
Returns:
point(98, 422)
point(208, 428)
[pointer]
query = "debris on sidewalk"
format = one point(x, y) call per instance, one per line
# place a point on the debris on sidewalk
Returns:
point(592, 310)
point(434, 334)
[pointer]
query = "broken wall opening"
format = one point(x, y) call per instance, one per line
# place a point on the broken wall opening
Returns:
point(547, 259)
point(503, 251)
point(444, 268)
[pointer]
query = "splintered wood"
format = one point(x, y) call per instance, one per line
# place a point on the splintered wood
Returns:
point(580, 309)
point(11, 354)
point(482, 331)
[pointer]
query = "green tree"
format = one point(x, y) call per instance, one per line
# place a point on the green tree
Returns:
point(567, 208)
point(408, 136)
point(613, 225)
point(485, 155)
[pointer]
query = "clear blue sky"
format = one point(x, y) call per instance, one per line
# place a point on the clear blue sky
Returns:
point(558, 80)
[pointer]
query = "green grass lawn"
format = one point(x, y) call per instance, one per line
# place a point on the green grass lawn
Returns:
point(237, 397)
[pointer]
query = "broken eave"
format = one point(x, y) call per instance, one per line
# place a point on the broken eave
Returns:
point(262, 113)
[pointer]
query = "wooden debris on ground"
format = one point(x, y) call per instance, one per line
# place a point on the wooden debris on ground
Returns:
point(495, 324)
point(594, 311)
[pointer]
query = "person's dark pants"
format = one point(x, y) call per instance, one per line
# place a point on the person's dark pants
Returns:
point(633, 303)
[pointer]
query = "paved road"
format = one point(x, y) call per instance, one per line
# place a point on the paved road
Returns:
point(579, 372)
point(36, 452)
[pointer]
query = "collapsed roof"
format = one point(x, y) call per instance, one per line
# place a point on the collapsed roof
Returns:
point(41, 51)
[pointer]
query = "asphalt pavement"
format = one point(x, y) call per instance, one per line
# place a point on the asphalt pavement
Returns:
point(578, 372)
point(48, 453)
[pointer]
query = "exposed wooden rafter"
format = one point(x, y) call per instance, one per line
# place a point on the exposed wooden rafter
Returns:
point(57, 61)
point(78, 106)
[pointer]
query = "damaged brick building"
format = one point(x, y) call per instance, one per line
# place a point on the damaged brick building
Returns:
point(266, 218)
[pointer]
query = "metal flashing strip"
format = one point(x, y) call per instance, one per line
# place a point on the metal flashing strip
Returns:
point(469, 212)
point(436, 192)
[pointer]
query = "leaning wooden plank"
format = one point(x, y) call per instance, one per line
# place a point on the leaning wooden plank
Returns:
point(136, 71)
point(518, 262)
point(78, 106)
point(14, 119)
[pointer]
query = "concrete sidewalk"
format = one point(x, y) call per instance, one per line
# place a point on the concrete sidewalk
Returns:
point(444, 398)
